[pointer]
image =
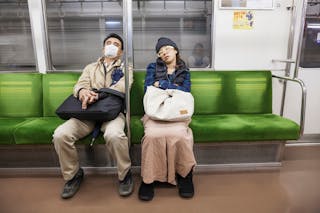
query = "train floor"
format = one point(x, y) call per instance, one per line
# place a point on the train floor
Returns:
point(295, 188)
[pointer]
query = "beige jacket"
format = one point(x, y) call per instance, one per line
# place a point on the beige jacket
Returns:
point(93, 76)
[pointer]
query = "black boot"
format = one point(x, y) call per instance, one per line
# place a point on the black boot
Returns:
point(185, 185)
point(146, 191)
point(73, 185)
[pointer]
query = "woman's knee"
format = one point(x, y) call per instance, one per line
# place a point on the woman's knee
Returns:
point(154, 134)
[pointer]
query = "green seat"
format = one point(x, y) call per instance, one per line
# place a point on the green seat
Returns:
point(20, 95)
point(37, 130)
point(7, 128)
point(242, 127)
point(20, 99)
point(43, 128)
point(136, 107)
point(55, 88)
point(229, 106)
point(232, 92)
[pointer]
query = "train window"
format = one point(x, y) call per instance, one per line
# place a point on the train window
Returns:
point(310, 53)
point(186, 22)
point(76, 26)
point(16, 49)
point(77, 30)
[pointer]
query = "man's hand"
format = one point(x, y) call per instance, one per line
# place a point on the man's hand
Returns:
point(87, 97)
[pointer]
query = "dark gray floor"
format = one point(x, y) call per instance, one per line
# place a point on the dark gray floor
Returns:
point(293, 189)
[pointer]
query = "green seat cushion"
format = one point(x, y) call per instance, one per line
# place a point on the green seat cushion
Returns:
point(137, 130)
point(232, 127)
point(56, 88)
point(7, 128)
point(243, 127)
point(40, 131)
point(20, 95)
point(37, 130)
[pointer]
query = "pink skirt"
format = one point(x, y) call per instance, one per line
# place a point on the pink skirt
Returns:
point(167, 149)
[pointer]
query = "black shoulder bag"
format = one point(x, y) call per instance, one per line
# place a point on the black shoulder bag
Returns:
point(108, 106)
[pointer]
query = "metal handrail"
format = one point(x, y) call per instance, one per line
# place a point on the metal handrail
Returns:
point(303, 99)
point(287, 73)
point(300, 41)
point(128, 49)
point(283, 60)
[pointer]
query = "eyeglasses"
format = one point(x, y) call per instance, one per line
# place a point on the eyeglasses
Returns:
point(164, 50)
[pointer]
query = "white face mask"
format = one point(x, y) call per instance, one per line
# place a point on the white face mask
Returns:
point(110, 51)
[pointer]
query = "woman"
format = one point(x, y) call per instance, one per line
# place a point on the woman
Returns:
point(167, 147)
point(198, 58)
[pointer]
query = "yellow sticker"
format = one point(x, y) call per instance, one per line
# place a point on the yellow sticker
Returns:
point(183, 112)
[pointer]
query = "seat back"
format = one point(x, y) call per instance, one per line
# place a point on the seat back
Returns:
point(219, 92)
point(56, 88)
point(232, 92)
point(20, 95)
point(136, 93)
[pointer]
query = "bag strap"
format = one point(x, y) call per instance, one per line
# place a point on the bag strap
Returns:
point(112, 92)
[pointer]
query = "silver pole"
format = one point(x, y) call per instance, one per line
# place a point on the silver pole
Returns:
point(289, 54)
point(213, 33)
point(128, 49)
point(39, 32)
point(283, 99)
point(49, 56)
point(291, 38)
point(302, 23)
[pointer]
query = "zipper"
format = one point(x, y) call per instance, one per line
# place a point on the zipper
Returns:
point(105, 74)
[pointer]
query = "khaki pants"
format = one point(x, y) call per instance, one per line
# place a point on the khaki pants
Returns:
point(68, 133)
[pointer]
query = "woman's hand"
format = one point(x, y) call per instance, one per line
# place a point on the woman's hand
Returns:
point(156, 84)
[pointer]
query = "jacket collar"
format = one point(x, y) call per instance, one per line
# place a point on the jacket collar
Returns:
point(181, 66)
point(116, 63)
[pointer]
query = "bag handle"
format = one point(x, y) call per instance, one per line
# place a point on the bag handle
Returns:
point(104, 92)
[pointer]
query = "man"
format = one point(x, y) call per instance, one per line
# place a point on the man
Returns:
point(106, 72)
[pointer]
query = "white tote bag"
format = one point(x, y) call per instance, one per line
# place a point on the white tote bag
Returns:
point(168, 105)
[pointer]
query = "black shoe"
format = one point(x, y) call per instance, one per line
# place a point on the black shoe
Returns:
point(146, 191)
point(126, 185)
point(73, 185)
point(185, 185)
